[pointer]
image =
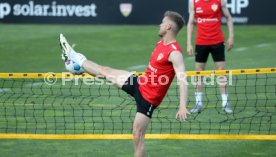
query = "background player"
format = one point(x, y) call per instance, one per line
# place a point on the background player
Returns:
point(209, 39)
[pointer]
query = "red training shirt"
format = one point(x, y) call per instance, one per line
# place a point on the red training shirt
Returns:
point(208, 19)
point(159, 73)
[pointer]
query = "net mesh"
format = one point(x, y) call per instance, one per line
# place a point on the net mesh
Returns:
point(32, 106)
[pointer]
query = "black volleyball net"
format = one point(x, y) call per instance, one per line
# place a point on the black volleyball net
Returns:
point(61, 103)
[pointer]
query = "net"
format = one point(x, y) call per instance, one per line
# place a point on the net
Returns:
point(34, 103)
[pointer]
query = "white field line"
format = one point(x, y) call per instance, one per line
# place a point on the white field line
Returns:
point(263, 45)
point(240, 49)
point(137, 67)
point(36, 84)
point(2, 90)
point(190, 58)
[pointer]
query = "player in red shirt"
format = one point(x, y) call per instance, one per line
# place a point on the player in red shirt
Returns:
point(209, 39)
point(148, 90)
point(159, 73)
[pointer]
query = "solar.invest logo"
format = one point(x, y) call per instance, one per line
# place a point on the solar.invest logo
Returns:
point(5, 9)
point(50, 9)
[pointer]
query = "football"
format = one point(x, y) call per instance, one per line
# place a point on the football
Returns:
point(73, 67)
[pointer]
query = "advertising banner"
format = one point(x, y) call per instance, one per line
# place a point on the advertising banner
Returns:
point(122, 11)
point(87, 11)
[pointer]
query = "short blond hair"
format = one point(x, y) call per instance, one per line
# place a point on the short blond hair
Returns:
point(176, 18)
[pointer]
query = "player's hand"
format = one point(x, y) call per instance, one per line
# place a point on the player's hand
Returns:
point(230, 43)
point(190, 50)
point(182, 113)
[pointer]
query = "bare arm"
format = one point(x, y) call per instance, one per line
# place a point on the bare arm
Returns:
point(178, 64)
point(225, 11)
point(190, 28)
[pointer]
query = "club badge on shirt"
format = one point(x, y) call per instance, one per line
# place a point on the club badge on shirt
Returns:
point(214, 7)
point(160, 56)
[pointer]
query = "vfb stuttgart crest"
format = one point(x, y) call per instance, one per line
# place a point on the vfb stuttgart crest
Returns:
point(214, 7)
point(160, 56)
point(126, 9)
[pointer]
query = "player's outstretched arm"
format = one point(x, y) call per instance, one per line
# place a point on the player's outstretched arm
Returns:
point(178, 64)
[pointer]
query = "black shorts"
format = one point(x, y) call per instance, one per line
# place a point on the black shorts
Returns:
point(131, 87)
point(217, 51)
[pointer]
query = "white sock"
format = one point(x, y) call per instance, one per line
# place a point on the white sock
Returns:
point(224, 98)
point(77, 57)
point(198, 96)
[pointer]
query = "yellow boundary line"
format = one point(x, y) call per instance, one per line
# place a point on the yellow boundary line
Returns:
point(189, 73)
point(129, 137)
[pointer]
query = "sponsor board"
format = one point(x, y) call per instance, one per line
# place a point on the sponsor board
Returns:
point(122, 11)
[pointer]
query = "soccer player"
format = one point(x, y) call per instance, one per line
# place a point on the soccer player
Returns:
point(209, 39)
point(148, 90)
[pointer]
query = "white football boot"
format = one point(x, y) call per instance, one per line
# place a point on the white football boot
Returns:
point(197, 109)
point(68, 53)
point(65, 47)
point(227, 109)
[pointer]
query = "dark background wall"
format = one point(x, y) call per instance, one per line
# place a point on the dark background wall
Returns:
point(130, 12)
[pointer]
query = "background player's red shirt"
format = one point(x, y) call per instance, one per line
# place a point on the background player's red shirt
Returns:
point(208, 19)
point(159, 73)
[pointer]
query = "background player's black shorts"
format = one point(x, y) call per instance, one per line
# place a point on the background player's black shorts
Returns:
point(131, 87)
point(217, 52)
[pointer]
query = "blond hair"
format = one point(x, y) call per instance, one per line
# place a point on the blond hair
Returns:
point(176, 18)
